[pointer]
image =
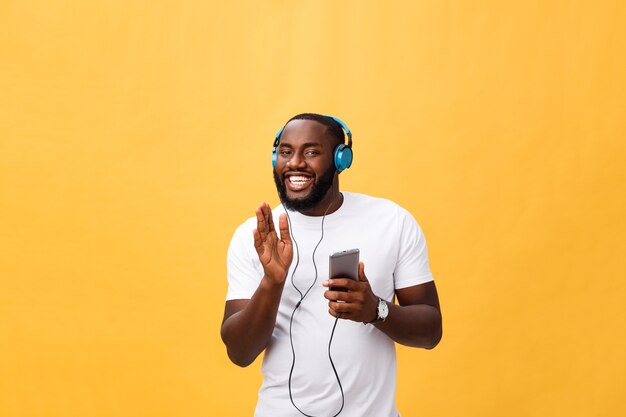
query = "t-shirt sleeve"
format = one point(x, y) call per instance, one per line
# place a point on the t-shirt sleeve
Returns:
point(412, 267)
point(243, 266)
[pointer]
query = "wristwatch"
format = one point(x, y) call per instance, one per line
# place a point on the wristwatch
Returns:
point(382, 311)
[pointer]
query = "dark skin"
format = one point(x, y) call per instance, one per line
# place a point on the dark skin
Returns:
point(305, 154)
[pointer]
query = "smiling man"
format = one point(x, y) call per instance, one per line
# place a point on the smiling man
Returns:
point(328, 343)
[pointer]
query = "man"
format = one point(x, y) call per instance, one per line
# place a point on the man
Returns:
point(327, 351)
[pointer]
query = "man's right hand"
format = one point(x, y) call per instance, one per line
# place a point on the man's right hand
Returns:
point(275, 254)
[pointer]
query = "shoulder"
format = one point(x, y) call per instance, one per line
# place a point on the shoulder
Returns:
point(366, 202)
point(383, 211)
point(245, 227)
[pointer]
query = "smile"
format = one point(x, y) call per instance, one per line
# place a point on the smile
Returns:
point(298, 182)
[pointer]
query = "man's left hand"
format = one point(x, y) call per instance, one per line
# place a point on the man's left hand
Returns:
point(357, 303)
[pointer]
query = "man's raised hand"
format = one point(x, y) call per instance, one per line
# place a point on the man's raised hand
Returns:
point(275, 254)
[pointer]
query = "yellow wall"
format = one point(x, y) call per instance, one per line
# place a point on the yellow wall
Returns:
point(135, 136)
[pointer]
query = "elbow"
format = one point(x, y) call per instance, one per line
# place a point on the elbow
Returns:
point(236, 356)
point(239, 351)
point(239, 359)
point(435, 335)
point(434, 340)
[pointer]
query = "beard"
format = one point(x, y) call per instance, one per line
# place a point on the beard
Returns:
point(318, 191)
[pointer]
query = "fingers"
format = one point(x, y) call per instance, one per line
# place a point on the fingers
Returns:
point(362, 276)
point(258, 243)
point(265, 223)
point(268, 215)
point(337, 314)
point(345, 316)
point(347, 283)
point(261, 223)
point(283, 225)
point(339, 296)
point(343, 310)
point(344, 298)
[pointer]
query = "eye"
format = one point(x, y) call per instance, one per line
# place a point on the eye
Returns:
point(312, 152)
point(285, 152)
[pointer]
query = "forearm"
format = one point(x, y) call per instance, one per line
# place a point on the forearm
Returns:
point(416, 325)
point(247, 332)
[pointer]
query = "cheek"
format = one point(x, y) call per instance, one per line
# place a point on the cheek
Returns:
point(322, 167)
point(281, 163)
point(277, 177)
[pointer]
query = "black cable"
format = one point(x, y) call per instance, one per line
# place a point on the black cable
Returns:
point(297, 261)
point(302, 296)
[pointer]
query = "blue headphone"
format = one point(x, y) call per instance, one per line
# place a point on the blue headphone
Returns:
point(343, 153)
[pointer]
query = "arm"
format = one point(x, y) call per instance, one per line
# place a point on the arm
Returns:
point(248, 324)
point(415, 322)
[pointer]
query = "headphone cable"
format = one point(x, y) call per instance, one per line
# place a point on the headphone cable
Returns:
point(302, 296)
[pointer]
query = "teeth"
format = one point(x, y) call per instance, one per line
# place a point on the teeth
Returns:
point(299, 179)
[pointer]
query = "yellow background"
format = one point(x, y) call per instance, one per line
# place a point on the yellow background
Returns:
point(135, 136)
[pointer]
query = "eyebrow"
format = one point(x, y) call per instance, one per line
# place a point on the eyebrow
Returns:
point(304, 145)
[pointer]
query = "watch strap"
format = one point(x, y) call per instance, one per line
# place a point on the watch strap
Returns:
point(379, 318)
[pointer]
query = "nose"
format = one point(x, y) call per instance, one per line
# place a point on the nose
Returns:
point(296, 161)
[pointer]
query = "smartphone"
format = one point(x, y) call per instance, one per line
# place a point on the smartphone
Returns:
point(344, 264)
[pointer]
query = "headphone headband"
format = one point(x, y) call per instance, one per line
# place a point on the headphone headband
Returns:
point(344, 127)
point(336, 119)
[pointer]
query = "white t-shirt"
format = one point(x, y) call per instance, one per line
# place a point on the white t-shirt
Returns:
point(394, 252)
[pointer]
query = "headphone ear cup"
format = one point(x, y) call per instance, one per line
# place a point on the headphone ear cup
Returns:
point(343, 157)
point(274, 152)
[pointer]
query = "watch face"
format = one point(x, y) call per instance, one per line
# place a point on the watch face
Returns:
point(383, 309)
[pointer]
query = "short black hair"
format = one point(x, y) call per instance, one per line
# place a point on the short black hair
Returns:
point(334, 129)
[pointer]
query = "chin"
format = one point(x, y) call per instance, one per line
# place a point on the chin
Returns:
point(297, 198)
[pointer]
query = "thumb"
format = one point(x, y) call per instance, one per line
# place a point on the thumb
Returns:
point(362, 276)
